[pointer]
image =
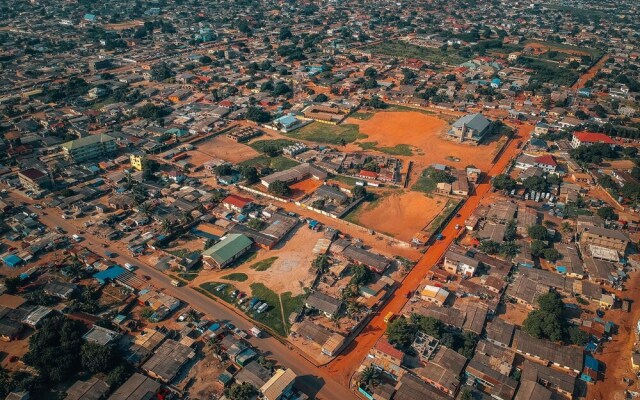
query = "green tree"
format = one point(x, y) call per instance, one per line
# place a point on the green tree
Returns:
point(359, 192)
point(548, 321)
point(321, 264)
point(551, 255)
point(249, 174)
point(510, 231)
point(97, 358)
point(489, 247)
point(537, 232)
point(504, 182)
point(401, 332)
point(246, 391)
point(607, 213)
point(54, 350)
point(537, 248)
point(369, 378)
point(258, 115)
point(119, 375)
point(279, 188)
point(466, 394)
point(360, 275)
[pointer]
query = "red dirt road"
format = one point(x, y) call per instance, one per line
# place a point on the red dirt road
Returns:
point(347, 363)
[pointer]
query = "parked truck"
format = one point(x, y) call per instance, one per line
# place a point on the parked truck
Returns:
point(255, 331)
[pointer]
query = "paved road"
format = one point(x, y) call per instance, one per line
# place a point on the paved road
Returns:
point(316, 382)
point(345, 364)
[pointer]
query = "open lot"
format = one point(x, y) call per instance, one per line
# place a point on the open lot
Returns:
point(223, 148)
point(399, 214)
point(293, 262)
point(401, 49)
point(328, 134)
point(305, 187)
point(424, 134)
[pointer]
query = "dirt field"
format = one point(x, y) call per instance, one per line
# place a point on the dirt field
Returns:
point(425, 133)
point(400, 214)
point(223, 148)
point(294, 262)
point(302, 188)
point(123, 25)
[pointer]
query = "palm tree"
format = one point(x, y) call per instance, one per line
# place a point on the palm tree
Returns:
point(321, 264)
point(369, 378)
point(166, 225)
point(566, 227)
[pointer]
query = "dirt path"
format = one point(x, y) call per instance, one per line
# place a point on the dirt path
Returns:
point(591, 72)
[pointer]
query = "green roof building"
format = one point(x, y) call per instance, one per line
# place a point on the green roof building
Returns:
point(226, 251)
point(89, 147)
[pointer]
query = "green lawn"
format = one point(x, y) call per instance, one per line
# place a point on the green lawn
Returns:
point(362, 115)
point(291, 304)
point(279, 144)
point(443, 216)
point(402, 49)
point(277, 163)
point(549, 72)
point(328, 134)
point(397, 150)
point(224, 294)
point(347, 180)
point(236, 276)
point(188, 276)
point(272, 317)
point(264, 264)
point(425, 183)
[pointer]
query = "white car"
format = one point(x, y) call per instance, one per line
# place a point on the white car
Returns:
point(129, 267)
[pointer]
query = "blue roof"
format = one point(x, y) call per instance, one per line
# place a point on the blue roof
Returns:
point(287, 120)
point(591, 363)
point(496, 80)
point(109, 274)
point(12, 260)
point(89, 17)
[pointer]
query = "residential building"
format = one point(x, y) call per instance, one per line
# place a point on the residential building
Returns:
point(472, 127)
point(280, 386)
point(89, 147)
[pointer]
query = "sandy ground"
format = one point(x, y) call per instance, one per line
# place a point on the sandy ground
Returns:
point(426, 134)
point(616, 354)
point(124, 25)
point(302, 188)
point(294, 263)
point(223, 148)
point(400, 214)
point(205, 374)
point(590, 73)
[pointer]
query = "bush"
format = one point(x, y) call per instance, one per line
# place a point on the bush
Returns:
point(280, 188)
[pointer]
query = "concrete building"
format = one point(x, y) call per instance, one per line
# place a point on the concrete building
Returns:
point(229, 249)
point(89, 147)
point(472, 127)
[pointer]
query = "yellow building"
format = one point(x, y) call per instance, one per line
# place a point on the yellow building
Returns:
point(138, 160)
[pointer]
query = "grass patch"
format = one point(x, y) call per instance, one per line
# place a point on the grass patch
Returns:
point(188, 276)
point(442, 217)
point(397, 150)
point(278, 163)
point(402, 49)
point(291, 304)
point(347, 180)
point(429, 180)
point(224, 294)
point(272, 317)
point(236, 276)
point(264, 264)
point(401, 108)
point(363, 116)
point(329, 134)
point(180, 252)
point(279, 144)
point(545, 71)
